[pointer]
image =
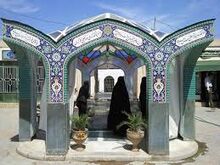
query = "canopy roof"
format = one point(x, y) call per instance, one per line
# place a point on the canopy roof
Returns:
point(60, 33)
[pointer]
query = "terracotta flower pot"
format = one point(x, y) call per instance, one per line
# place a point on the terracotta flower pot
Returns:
point(135, 138)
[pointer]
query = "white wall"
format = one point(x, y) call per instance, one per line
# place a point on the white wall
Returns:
point(92, 86)
point(103, 73)
point(141, 72)
point(78, 81)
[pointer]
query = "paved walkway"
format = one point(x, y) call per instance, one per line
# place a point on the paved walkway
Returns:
point(207, 134)
point(208, 137)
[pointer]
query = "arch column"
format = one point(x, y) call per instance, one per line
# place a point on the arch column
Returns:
point(96, 82)
point(85, 74)
point(187, 122)
point(129, 82)
point(158, 117)
point(58, 132)
point(27, 94)
point(58, 119)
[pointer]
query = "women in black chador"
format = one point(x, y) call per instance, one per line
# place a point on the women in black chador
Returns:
point(142, 98)
point(81, 101)
point(119, 104)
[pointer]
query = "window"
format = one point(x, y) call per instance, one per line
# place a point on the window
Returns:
point(8, 79)
point(108, 84)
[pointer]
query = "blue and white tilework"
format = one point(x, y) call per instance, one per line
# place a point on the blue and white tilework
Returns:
point(157, 55)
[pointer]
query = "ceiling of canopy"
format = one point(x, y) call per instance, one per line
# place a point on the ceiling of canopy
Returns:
point(109, 50)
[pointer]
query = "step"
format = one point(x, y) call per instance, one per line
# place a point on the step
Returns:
point(101, 134)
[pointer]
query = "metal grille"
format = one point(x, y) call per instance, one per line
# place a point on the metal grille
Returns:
point(108, 84)
point(9, 79)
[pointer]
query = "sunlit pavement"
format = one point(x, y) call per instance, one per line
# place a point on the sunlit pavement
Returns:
point(207, 134)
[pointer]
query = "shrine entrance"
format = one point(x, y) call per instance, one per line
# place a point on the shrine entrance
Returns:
point(102, 65)
point(169, 60)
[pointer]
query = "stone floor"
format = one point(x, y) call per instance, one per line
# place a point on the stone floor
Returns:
point(107, 149)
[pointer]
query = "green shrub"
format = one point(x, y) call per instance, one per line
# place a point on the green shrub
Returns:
point(135, 122)
point(79, 122)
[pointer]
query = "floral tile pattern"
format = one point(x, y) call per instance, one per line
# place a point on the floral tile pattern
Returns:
point(158, 54)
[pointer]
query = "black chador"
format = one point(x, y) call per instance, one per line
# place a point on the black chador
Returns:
point(142, 98)
point(81, 101)
point(119, 104)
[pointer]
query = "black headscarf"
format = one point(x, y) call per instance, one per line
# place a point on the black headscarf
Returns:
point(119, 103)
point(142, 98)
point(84, 90)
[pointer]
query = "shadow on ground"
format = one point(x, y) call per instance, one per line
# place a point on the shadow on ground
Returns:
point(205, 121)
point(14, 138)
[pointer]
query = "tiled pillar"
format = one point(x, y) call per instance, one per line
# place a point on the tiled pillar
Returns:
point(58, 130)
point(187, 127)
point(158, 128)
point(27, 96)
point(187, 122)
point(157, 122)
point(129, 82)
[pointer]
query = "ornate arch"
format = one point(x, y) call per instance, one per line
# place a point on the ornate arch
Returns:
point(23, 45)
point(156, 53)
point(189, 38)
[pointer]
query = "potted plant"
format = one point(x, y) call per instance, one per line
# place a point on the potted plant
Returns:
point(79, 130)
point(135, 131)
